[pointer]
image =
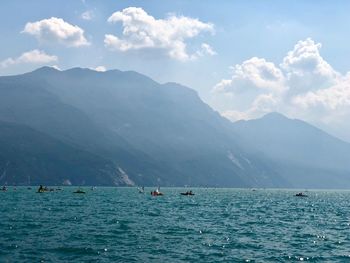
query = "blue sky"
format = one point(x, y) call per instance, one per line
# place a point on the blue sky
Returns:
point(309, 83)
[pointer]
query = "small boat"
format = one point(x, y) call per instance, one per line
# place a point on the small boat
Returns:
point(4, 188)
point(187, 193)
point(155, 193)
point(301, 194)
point(79, 192)
point(141, 190)
point(42, 189)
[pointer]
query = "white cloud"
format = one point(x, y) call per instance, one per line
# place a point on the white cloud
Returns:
point(100, 68)
point(261, 105)
point(56, 30)
point(206, 49)
point(143, 31)
point(304, 86)
point(56, 67)
point(87, 15)
point(253, 74)
point(335, 97)
point(235, 115)
point(306, 69)
point(31, 57)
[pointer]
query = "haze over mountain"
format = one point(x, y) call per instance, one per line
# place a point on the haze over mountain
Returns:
point(123, 128)
point(303, 154)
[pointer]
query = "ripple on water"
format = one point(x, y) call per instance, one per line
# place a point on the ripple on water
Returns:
point(215, 225)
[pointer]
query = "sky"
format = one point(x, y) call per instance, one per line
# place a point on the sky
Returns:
point(244, 58)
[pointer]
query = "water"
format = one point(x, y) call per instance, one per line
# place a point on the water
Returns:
point(215, 225)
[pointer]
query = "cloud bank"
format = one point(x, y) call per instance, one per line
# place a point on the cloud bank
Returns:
point(35, 56)
point(56, 30)
point(143, 31)
point(304, 85)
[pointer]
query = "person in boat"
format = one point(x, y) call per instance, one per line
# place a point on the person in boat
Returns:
point(41, 189)
point(156, 192)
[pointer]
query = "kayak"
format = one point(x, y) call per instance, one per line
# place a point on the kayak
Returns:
point(187, 193)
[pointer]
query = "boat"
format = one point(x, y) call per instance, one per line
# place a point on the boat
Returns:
point(301, 194)
point(79, 192)
point(157, 192)
point(141, 190)
point(187, 193)
point(4, 188)
point(42, 189)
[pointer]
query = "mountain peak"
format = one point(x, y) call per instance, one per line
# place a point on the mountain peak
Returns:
point(274, 116)
point(45, 69)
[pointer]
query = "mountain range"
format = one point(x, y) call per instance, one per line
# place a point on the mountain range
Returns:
point(84, 127)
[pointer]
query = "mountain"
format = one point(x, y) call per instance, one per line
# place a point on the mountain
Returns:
point(123, 128)
point(31, 157)
point(155, 133)
point(304, 155)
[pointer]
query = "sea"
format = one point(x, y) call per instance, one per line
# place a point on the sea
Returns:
point(215, 225)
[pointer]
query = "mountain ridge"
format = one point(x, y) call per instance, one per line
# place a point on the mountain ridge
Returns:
point(155, 134)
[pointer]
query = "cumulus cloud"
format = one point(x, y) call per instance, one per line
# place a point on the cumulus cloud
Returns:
point(253, 74)
point(304, 86)
point(56, 30)
point(143, 31)
point(333, 98)
point(31, 57)
point(306, 69)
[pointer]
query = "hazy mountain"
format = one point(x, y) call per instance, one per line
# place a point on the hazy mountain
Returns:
point(157, 134)
point(31, 157)
point(139, 131)
point(303, 154)
point(25, 100)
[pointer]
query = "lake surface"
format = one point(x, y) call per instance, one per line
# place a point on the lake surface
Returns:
point(215, 225)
